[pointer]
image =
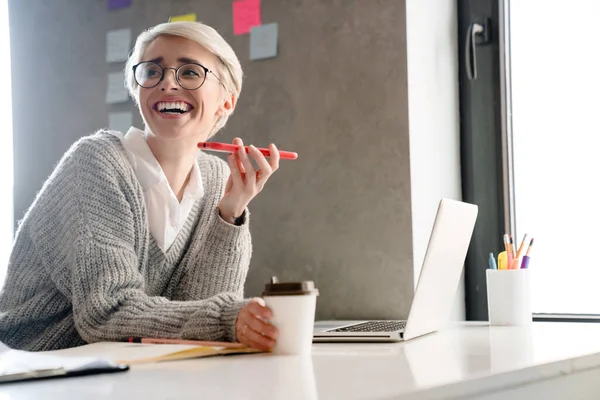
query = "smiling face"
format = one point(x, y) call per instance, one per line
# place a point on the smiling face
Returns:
point(171, 112)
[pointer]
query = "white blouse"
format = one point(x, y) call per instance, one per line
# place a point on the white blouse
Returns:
point(166, 215)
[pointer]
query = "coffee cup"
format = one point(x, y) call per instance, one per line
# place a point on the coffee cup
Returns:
point(293, 306)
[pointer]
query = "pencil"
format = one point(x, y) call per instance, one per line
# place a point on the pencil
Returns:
point(509, 256)
point(526, 257)
point(181, 341)
point(529, 248)
point(521, 246)
point(513, 247)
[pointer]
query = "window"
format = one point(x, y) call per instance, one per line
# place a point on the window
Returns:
point(555, 75)
point(539, 78)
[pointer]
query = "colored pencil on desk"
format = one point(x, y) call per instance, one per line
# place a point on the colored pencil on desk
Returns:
point(521, 246)
point(508, 250)
point(526, 257)
point(513, 247)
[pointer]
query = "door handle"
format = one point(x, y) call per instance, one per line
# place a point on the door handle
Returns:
point(477, 35)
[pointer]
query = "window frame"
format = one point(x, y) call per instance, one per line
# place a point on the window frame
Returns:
point(487, 169)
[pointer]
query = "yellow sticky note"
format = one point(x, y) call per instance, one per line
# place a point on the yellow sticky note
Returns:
point(184, 17)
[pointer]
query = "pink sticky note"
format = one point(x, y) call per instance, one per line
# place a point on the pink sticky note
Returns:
point(246, 14)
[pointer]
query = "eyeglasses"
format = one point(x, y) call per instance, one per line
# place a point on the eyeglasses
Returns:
point(191, 76)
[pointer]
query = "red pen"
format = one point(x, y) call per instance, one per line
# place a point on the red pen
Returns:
point(232, 148)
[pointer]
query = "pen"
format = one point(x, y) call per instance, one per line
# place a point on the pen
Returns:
point(526, 257)
point(492, 261)
point(232, 148)
point(182, 341)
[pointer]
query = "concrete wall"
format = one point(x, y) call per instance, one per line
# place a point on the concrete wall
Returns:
point(360, 200)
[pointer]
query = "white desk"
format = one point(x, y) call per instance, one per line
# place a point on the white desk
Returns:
point(472, 361)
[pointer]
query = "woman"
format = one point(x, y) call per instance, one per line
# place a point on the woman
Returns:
point(141, 235)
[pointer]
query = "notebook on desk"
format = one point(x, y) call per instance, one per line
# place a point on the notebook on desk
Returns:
point(18, 365)
point(151, 353)
point(101, 358)
point(142, 353)
point(436, 287)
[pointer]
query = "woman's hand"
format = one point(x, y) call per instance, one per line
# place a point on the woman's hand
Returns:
point(245, 182)
point(252, 326)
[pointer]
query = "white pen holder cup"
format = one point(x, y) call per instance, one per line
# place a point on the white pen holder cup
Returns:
point(509, 297)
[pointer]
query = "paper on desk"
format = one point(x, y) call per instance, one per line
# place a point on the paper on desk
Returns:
point(140, 353)
point(186, 354)
point(19, 361)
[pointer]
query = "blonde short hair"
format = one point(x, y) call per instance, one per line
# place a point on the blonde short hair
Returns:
point(228, 68)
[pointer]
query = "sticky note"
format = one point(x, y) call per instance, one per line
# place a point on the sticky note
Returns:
point(184, 17)
point(115, 4)
point(246, 14)
point(116, 91)
point(263, 41)
point(118, 43)
point(120, 121)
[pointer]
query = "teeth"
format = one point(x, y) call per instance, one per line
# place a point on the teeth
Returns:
point(179, 105)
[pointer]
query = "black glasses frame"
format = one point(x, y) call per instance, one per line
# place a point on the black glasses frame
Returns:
point(162, 76)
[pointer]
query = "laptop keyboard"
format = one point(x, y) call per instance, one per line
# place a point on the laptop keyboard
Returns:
point(373, 326)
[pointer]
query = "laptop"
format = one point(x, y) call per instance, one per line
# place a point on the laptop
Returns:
point(438, 281)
